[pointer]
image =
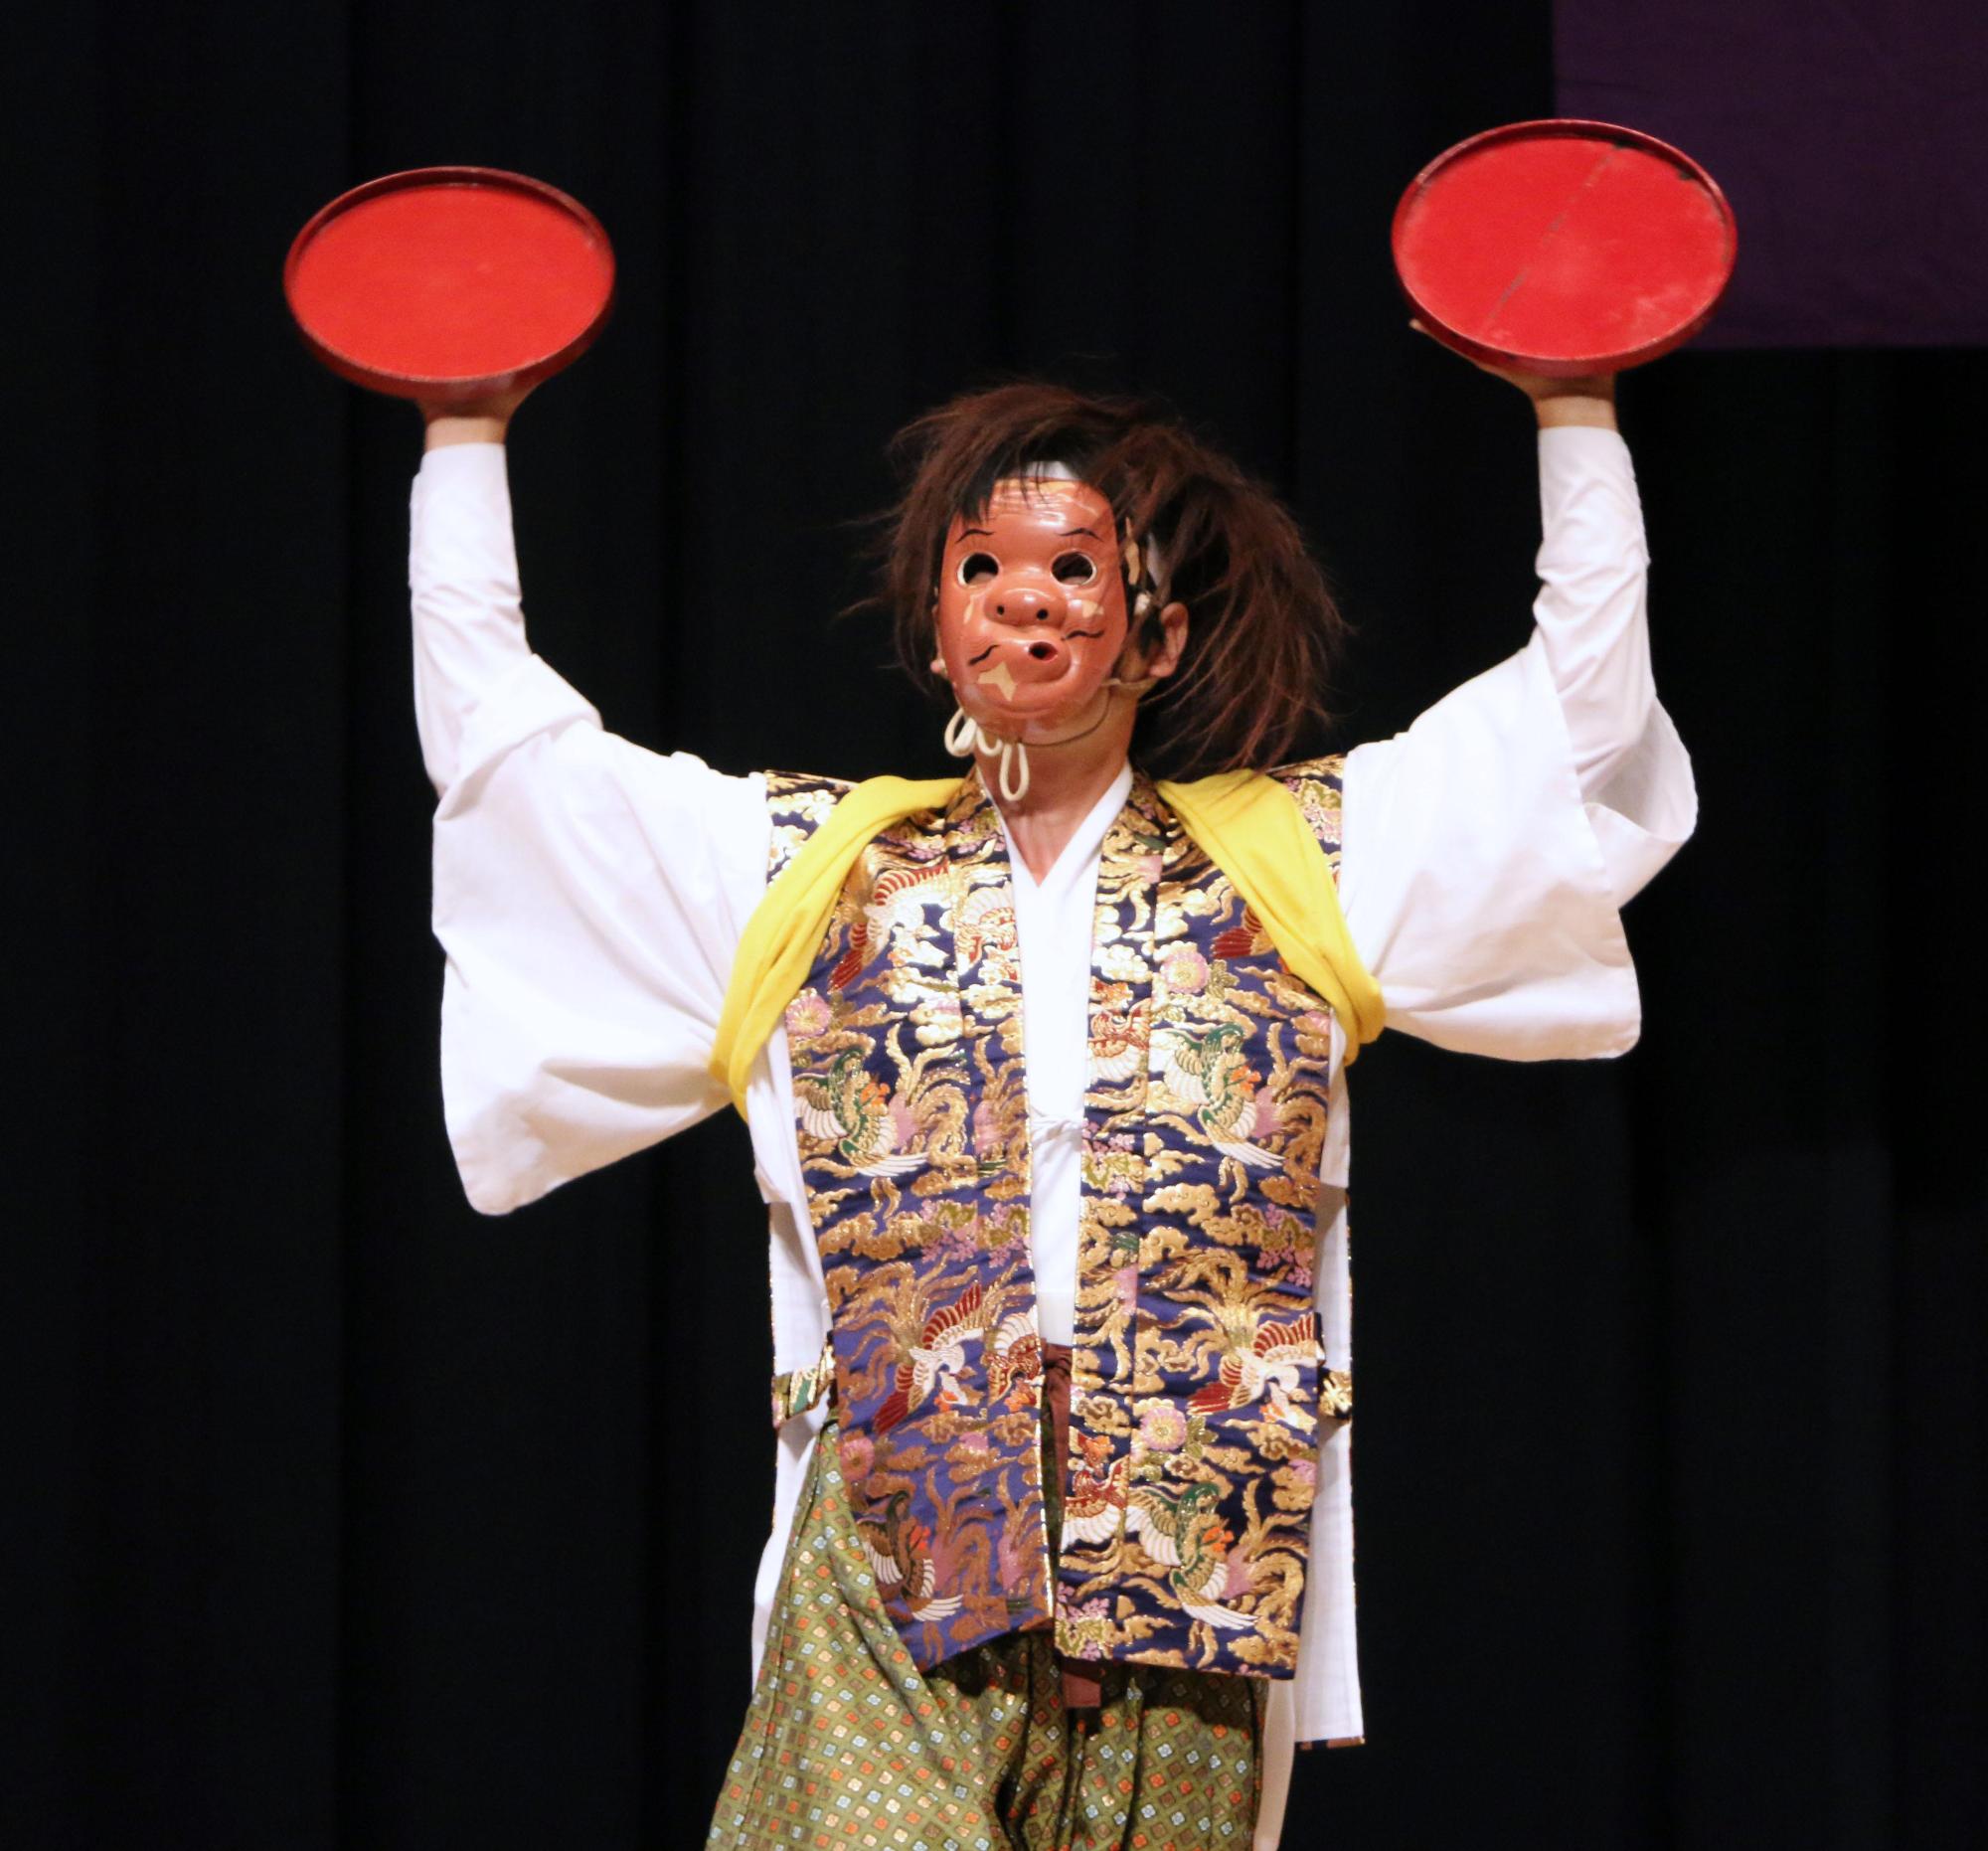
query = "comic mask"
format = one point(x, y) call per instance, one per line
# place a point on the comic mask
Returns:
point(1032, 607)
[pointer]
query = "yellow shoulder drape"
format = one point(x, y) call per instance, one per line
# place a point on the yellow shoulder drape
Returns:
point(1247, 824)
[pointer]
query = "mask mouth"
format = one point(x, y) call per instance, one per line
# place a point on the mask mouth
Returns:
point(1022, 661)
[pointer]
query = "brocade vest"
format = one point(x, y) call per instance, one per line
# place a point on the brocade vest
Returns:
point(1198, 1390)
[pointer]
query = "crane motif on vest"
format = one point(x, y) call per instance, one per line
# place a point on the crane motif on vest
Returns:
point(1211, 1072)
point(898, 1546)
point(933, 1349)
point(1181, 1532)
point(853, 1109)
point(1263, 1363)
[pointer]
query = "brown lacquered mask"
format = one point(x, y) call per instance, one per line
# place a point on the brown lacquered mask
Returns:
point(1032, 607)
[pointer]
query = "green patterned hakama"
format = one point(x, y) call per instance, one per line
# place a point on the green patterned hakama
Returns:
point(848, 1743)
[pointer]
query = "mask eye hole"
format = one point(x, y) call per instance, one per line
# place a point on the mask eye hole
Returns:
point(1074, 569)
point(978, 568)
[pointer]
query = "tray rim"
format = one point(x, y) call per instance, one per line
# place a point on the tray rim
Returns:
point(1570, 366)
point(447, 386)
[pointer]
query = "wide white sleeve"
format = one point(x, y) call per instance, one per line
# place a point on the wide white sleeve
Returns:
point(589, 894)
point(1489, 849)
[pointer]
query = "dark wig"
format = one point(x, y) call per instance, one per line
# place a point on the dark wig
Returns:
point(1263, 632)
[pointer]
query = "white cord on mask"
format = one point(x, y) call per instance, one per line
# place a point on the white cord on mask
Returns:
point(964, 735)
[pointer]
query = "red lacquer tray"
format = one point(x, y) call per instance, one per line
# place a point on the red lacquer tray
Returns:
point(451, 282)
point(1563, 248)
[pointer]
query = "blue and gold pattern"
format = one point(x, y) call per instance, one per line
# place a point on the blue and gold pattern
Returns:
point(1196, 1378)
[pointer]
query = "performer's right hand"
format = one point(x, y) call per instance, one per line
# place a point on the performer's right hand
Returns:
point(474, 420)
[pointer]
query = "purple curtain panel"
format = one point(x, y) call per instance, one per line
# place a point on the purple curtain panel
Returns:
point(1851, 138)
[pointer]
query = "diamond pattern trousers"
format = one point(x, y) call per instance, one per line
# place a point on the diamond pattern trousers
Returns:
point(847, 1743)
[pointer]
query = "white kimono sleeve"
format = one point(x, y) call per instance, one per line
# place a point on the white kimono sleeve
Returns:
point(589, 894)
point(1489, 849)
point(1486, 854)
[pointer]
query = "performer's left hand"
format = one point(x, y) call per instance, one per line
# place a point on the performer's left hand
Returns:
point(1589, 400)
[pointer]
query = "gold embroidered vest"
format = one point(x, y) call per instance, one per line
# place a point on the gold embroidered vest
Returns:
point(1198, 1387)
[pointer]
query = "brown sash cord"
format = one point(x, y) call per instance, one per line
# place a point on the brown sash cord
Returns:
point(1081, 1690)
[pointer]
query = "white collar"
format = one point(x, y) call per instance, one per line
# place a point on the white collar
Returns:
point(1083, 848)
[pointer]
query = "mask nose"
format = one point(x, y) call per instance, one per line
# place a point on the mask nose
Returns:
point(1023, 607)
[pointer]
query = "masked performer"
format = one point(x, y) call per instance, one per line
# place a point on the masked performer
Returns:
point(1045, 1073)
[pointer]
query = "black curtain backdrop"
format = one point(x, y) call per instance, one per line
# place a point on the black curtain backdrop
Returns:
point(341, 1516)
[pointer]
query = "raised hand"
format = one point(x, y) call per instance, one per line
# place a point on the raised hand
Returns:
point(1589, 400)
point(472, 420)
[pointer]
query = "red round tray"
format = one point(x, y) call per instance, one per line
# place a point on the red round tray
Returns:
point(451, 282)
point(1563, 248)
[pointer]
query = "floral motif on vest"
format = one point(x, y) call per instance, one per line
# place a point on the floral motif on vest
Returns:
point(1195, 1375)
